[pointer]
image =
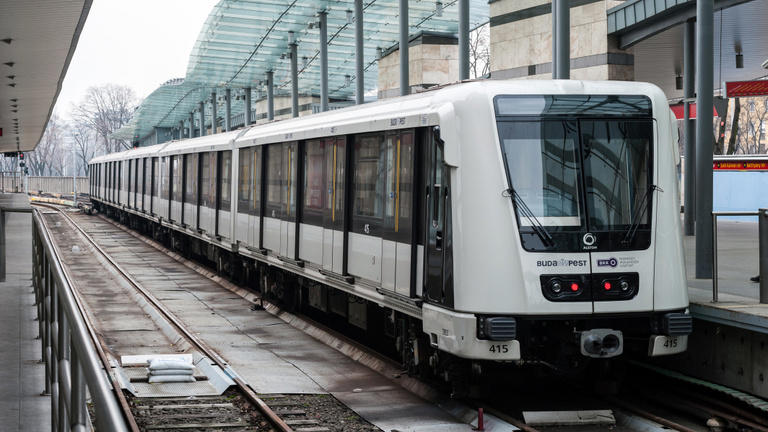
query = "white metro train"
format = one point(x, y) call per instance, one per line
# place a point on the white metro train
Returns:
point(493, 220)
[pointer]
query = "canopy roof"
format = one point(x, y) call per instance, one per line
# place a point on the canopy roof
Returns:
point(244, 39)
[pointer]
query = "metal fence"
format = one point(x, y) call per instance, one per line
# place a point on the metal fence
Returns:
point(71, 360)
point(11, 182)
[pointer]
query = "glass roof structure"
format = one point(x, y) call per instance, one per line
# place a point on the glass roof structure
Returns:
point(244, 39)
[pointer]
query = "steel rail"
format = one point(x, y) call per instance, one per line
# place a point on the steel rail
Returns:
point(181, 327)
point(64, 275)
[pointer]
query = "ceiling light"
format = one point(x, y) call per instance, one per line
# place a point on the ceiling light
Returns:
point(439, 8)
point(11, 77)
point(304, 61)
point(7, 40)
point(347, 80)
point(739, 60)
point(291, 37)
point(14, 100)
point(350, 17)
point(9, 64)
point(379, 52)
point(679, 82)
point(12, 85)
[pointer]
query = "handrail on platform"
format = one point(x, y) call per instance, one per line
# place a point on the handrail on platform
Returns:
point(762, 224)
point(71, 360)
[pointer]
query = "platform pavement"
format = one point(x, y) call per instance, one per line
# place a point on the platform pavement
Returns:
point(22, 377)
point(738, 303)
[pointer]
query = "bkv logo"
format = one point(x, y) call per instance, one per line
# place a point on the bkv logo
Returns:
point(610, 262)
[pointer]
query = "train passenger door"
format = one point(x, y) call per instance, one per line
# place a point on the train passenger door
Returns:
point(333, 219)
point(439, 263)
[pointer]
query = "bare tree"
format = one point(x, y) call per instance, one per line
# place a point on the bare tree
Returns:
point(479, 52)
point(104, 110)
point(84, 140)
point(46, 159)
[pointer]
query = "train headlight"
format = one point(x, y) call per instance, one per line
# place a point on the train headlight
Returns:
point(624, 285)
point(555, 286)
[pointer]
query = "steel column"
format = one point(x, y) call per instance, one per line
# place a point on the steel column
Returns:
point(202, 118)
point(247, 106)
point(554, 32)
point(762, 227)
point(191, 124)
point(2, 246)
point(270, 96)
point(294, 80)
point(77, 397)
point(181, 129)
point(689, 81)
point(323, 60)
point(562, 39)
point(214, 114)
point(704, 136)
point(463, 40)
point(62, 354)
point(227, 110)
point(359, 54)
point(405, 86)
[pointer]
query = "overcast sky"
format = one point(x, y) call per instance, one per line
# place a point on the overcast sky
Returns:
point(138, 43)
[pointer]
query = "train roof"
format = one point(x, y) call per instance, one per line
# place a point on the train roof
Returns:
point(420, 109)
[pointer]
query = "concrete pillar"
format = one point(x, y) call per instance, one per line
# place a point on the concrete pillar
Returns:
point(294, 81)
point(359, 52)
point(563, 39)
point(201, 109)
point(227, 110)
point(248, 106)
point(270, 95)
point(704, 136)
point(323, 61)
point(405, 87)
point(463, 40)
point(214, 114)
point(689, 80)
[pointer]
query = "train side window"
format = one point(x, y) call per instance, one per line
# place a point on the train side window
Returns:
point(336, 175)
point(256, 186)
point(212, 179)
point(176, 178)
point(281, 180)
point(274, 165)
point(164, 180)
point(155, 176)
point(402, 224)
point(245, 180)
point(225, 173)
point(369, 182)
point(205, 179)
point(190, 190)
point(314, 182)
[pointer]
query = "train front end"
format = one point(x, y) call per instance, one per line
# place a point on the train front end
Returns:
point(581, 245)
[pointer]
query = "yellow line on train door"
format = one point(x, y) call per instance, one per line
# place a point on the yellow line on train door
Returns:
point(333, 182)
point(397, 189)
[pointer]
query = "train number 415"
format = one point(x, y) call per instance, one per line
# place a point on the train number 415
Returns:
point(499, 349)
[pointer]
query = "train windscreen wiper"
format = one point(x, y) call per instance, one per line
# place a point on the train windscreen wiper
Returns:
point(524, 210)
point(637, 215)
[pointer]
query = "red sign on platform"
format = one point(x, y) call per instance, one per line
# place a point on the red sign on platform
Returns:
point(740, 165)
point(746, 88)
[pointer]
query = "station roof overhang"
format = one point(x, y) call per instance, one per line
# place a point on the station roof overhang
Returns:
point(37, 41)
point(654, 30)
point(242, 40)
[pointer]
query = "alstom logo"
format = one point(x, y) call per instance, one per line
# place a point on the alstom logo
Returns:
point(610, 262)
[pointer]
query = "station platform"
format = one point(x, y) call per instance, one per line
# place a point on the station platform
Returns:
point(22, 407)
point(738, 300)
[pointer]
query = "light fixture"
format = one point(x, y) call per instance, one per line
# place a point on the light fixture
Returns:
point(739, 60)
point(291, 37)
point(7, 40)
point(439, 8)
point(379, 52)
point(350, 17)
point(347, 80)
point(679, 82)
point(311, 25)
point(304, 61)
point(9, 64)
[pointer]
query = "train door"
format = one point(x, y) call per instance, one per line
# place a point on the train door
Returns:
point(398, 212)
point(439, 260)
point(365, 238)
point(333, 219)
point(207, 215)
point(224, 193)
point(280, 217)
point(189, 215)
point(177, 190)
point(254, 214)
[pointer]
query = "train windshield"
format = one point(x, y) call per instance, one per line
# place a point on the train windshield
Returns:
point(570, 175)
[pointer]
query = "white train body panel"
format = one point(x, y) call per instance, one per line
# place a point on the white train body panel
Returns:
point(492, 270)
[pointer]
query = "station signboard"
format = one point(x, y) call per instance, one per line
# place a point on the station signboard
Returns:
point(746, 88)
point(740, 165)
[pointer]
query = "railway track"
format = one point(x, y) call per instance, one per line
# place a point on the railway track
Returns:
point(140, 414)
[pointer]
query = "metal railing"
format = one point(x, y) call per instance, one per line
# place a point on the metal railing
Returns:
point(71, 360)
point(762, 227)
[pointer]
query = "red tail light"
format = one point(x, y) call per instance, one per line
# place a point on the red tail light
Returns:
point(574, 287)
point(607, 285)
